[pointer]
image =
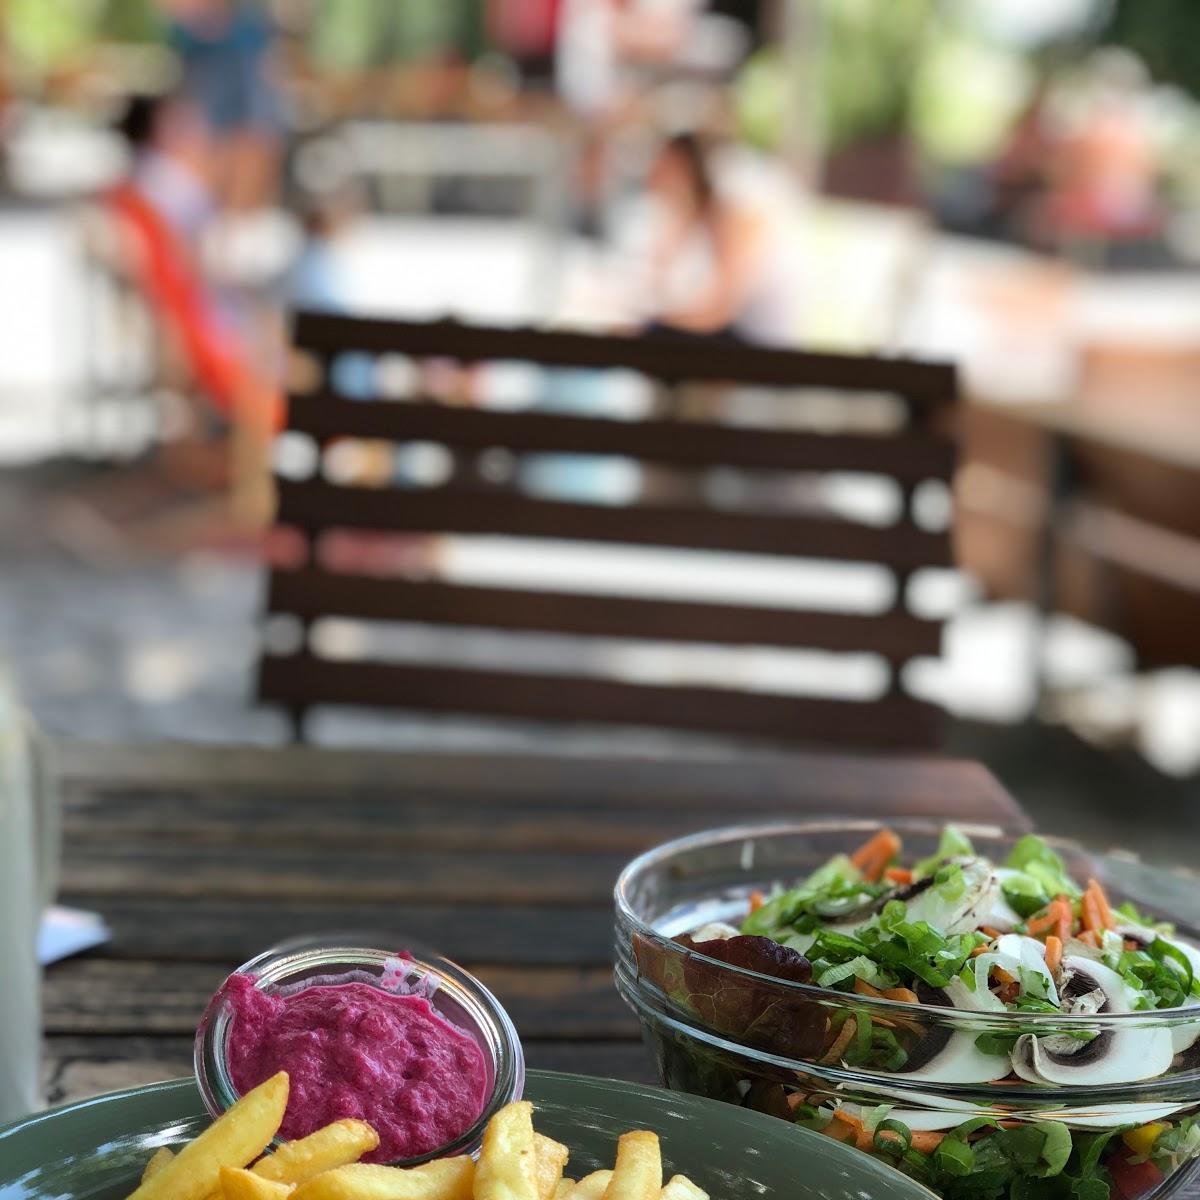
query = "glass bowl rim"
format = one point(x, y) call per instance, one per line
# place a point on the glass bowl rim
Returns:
point(661, 854)
point(503, 1047)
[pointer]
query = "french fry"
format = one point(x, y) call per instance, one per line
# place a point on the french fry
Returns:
point(682, 1188)
point(591, 1187)
point(238, 1184)
point(443, 1179)
point(236, 1138)
point(563, 1188)
point(551, 1158)
point(337, 1145)
point(638, 1171)
point(158, 1160)
point(508, 1160)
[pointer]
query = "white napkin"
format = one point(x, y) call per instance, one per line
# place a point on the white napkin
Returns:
point(67, 931)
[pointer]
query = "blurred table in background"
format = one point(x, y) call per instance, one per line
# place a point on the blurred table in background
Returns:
point(1092, 507)
point(199, 857)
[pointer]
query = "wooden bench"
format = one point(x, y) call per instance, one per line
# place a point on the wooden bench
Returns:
point(473, 501)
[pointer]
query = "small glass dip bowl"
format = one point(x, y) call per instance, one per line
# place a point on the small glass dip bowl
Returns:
point(454, 994)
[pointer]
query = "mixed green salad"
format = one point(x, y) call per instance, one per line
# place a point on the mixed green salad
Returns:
point(955, 930)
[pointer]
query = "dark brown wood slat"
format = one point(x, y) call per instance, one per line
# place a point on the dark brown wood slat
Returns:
point(302, 679)
point(313, 592)
point(801, 783)
point(425, 826)
point(150, 866)
point(661, 358)
point(134, 997)
point(211, 929)
point(317, 505)
point(908, 457)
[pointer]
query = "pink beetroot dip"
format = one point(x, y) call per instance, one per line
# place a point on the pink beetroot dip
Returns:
point(354, 1050)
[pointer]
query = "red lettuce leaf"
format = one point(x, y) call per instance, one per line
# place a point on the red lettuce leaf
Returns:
point(755, 1012)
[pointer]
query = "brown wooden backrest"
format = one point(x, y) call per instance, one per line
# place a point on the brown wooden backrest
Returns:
point(466, 504)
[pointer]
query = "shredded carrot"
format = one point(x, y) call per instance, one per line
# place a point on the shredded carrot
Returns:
point(979, 950)
point(844, 1038)
point(905, 995)
point(757, 900)
point(1066, 917)
point(1047, 920)
point(1054, 949)
point(900, 875)
point(989, 931)
point(1099, 905)
point(1056, 917)
point(873, 856)
point(1089, 937)
point(845, 1128)
point(927, 1140)
point(1008, 992)
point(1003, 976)
point(863, 988)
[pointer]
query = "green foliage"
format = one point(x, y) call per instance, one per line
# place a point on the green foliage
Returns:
point(1163, 33)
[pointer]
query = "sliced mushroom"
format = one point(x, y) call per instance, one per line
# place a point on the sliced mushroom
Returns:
point(1110, 1056)
point(715, 931)
point(944, 1055)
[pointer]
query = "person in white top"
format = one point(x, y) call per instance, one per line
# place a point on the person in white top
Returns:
point(716, 263)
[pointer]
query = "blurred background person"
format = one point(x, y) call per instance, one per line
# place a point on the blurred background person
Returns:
point(174, 161)
point(318, 278)
point(1104, 170)
point(714, 261)
point(160, 212)
point(224, 50)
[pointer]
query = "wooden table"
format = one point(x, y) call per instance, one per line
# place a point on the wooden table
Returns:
point(200, 857)
point(1090, 507)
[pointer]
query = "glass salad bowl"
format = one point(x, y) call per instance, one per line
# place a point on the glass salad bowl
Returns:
point(971, 1101)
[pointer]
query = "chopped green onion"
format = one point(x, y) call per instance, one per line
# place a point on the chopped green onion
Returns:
point(860, 967)
point(899, 1145)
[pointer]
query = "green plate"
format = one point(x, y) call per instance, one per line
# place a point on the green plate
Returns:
point(95, 1150)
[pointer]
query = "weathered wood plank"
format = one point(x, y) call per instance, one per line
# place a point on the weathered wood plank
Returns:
point(909, 457)
point(141, 997)
point(341, 823)
point(150, 867)
point(722, 785)
point(895, 722)
point(312, 593)
point(313, 505)
point(228, 932)
point(661, 358)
